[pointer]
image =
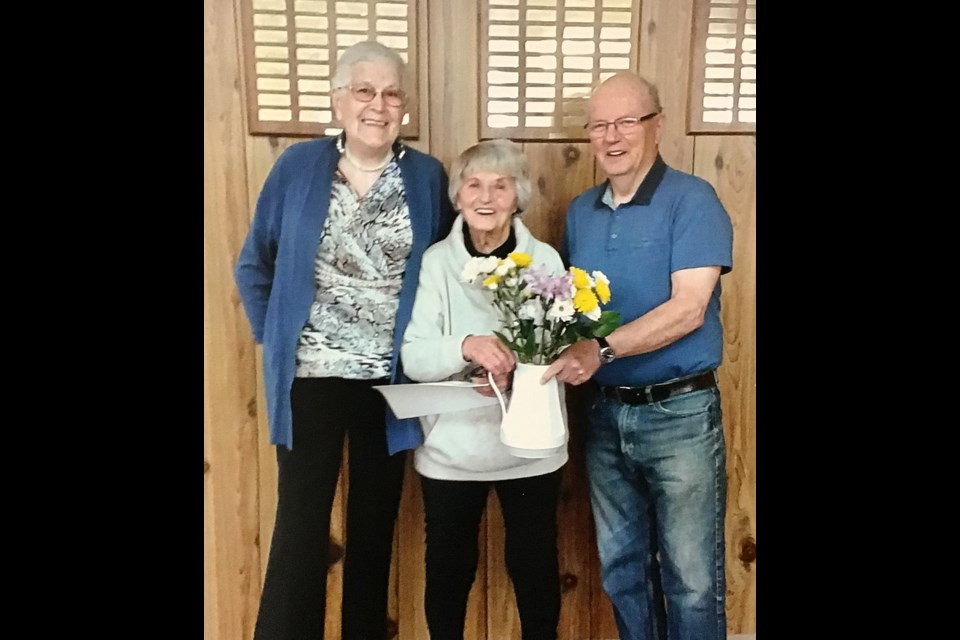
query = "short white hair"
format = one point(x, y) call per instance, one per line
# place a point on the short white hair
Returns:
point(366, 51)
point(499, 156)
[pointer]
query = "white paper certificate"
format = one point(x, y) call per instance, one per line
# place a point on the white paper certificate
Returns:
point(428, 398)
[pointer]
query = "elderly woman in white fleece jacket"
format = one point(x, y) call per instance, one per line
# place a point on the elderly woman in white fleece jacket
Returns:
point(449, 334)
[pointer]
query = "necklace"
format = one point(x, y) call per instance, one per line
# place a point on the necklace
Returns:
point(357, 164)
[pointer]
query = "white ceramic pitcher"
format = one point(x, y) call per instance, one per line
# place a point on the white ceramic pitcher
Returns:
point(534, 423)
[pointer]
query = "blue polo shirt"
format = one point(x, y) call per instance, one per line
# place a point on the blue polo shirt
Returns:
point(674, 221)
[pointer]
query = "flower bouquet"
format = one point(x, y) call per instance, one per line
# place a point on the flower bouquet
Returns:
point(541, 314)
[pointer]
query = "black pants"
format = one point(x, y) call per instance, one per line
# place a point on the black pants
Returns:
point(292, 606)
point(453, 511)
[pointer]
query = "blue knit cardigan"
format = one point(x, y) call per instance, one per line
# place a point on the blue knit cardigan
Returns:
point(275, 269)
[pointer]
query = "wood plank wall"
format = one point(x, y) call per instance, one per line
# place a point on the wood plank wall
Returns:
point(239, 464)
point(231, 567)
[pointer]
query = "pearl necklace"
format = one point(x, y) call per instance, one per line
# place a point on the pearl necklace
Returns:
point(356, 163)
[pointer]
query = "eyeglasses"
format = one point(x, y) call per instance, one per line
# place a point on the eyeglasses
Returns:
point(626, 124)
point(367, 92)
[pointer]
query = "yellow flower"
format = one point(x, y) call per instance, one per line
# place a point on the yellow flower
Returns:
point(603, 291)
point(585, 300)
point(580, 278)
point(520, 259)
point(491, 281)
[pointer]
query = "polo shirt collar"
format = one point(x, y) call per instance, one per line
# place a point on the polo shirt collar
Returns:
point(644, 192)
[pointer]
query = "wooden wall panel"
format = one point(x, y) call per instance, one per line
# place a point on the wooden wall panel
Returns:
point(577, 555)
point(411, 558)
point(558, 172)
point(240, 466)
point(729, 163)
point(665, 59)
point(503, 621)
point(454, 83)
point(479, 608)
point(231, 563)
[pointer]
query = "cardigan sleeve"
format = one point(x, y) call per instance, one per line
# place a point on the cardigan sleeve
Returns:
point(255, 265)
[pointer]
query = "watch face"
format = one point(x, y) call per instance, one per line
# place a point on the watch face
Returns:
point(606, 355)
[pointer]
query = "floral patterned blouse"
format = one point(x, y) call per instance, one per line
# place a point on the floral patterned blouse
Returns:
point(359, 268)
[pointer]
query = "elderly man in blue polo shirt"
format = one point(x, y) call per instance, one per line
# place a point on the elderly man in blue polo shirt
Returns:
point(655, 448)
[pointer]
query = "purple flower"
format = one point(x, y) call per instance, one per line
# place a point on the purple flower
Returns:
point(542, 284)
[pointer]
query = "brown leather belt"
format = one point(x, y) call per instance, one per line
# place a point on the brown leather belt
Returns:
point(660, 392)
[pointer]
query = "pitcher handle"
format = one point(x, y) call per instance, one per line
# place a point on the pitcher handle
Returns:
point(503, 406)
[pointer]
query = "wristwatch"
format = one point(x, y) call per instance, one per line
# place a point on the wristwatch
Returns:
point(606, 351)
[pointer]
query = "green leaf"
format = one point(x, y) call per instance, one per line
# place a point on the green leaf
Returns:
point(609, 320)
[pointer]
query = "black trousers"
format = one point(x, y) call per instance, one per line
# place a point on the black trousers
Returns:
point(292, 606)
point(453, 511)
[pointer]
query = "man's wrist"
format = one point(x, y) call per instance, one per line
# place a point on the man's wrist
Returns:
point(607, 354)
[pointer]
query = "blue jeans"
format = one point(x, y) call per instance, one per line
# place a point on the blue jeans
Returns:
point(658, 493)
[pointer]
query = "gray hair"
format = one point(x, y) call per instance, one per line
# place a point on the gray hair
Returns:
point(500, 156)
point(366, 51)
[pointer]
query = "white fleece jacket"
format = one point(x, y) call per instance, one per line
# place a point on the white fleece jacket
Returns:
point(463, 445)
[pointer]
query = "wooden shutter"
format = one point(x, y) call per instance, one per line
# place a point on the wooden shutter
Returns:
point(723, 95)
point(290, 51)
point(543, 57)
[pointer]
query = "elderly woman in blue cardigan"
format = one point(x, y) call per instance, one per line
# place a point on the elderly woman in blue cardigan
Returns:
point(327, 276)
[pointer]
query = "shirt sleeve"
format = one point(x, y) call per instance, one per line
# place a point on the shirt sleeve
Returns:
point(702, 232)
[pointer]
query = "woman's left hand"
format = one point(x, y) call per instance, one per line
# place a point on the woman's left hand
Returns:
point(503, 382)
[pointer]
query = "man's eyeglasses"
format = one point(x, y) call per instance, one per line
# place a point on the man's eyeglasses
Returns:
point(367, 92)
point(626, 124)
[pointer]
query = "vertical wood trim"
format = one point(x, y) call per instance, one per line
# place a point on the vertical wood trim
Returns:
point(415, 67)
point(230, 427)
point(248, 63)
point(575, 548)
point(729, 163)
point(476, 625)
point(664, 58)
point(411, 558)
point(503, 621)
point(698, 65)
point(211, 578)
point(454, 81)
point(424, 89)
